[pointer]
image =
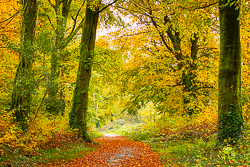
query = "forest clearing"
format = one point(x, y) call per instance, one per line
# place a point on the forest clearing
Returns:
point(124, 83)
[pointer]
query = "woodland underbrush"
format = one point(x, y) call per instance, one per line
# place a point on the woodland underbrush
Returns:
point(190, 141)
point(48, 140)
point(120, 126)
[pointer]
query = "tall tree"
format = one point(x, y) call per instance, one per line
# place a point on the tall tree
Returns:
point(21, 96)
point(61, 9)
point(171, 40)
point(230, 121)
point(78, 114)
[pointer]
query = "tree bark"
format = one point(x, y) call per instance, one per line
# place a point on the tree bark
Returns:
point(230, 120)
point(187, 65)
point(189, 79)
point(23, 82)
point(53, 103)
point(78, 114)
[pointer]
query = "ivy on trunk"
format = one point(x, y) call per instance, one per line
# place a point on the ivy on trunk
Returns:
point(23, 82)
point(230, 120)
point(78, 114)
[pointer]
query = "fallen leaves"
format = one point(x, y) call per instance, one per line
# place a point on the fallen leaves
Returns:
point(118, 151)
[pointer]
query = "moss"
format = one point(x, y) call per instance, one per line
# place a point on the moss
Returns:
point(78, 114)
point(231, 124)
point(24, 82)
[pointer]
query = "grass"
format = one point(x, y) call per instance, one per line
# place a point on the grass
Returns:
point(188, 151)
point(123, 129)
point(51, 155)
point(174, 151)
point(197, 152)
point(184, 152)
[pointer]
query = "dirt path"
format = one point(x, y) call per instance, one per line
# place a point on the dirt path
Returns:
point(118, 151)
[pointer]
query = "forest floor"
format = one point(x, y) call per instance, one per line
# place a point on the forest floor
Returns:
point(116, 150)
point(140, 147)
point(189, 150)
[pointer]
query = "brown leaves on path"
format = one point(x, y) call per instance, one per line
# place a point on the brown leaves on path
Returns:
point(118, 151)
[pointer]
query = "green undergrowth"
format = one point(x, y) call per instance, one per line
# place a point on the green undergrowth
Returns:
point(187, 148)
point(63, 153)
point(197, 152)
point(123, 129)
point(120, 127)
point(190, 150)
point(51, 155)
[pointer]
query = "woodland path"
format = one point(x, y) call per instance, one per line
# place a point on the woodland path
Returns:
point(118, 151)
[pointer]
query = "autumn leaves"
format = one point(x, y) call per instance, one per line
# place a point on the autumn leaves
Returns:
point(118, 151)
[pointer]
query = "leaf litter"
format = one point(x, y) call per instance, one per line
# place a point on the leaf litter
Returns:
point(116, 150)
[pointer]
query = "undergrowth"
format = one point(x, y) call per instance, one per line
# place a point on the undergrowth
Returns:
point(48, 140)
point(184, 141)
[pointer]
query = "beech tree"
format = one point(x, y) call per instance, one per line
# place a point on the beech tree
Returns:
point(230, 121)
point(21, 95)
point(61, 8)
point(183, 43)
point(78, 114)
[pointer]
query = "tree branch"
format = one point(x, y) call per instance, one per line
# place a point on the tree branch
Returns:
point(106, 7)
point(71, 35)
point(161, 35)
point(38, 108)
point(132, 11)
point(10, 18)
point(51, 23)
point(199, 7)
point(76, 17)
point(139, 33)
point(52, 5)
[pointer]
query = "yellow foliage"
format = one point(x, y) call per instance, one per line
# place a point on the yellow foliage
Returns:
point(201, 125)
point(45, 132)
point(148, 113)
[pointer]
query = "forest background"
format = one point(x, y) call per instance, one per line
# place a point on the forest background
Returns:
point(154, 69)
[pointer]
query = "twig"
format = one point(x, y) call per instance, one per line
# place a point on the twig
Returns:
point(38, 108)
point(51, 22)
point(106, 7)
point(75, 19)
point(10, 18)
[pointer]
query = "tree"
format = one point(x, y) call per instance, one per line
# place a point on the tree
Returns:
point(78, 114)
point(23, 82)
point(230, 120)
point(176, 38)
point(61, 9)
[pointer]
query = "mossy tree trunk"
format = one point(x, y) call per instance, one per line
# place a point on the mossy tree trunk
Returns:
point(230, 121)
point(61, 8)
point(189, 78)
point(23, 82)
point(78, 114)
point(188, 66)
point(55, 104)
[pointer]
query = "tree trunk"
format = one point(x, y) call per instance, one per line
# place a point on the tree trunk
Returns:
point(62, 96)
point(189, 79)
point(230, 121)
point(53, 103)
point(187, 65)
point(78, 114)
point(23, 82)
